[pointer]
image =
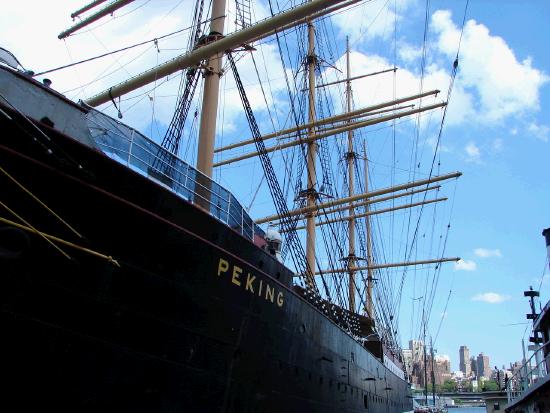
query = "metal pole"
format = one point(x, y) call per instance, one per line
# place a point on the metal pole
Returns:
point(205, 155)
point(311, 157)
point(433, 371)
point(366, 111)
point(377, 212)
point(351, 211)
point(372, 194)
point(194, 57)
point(335, 131)
point(370, 261)
point(425, 362)
point(524, 382)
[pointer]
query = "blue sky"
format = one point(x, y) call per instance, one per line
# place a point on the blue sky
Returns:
point(496, 133)
point(501, 203)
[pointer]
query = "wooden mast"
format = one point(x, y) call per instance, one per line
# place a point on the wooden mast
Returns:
point(311, 191)
point(350, 157)
point(212, 74)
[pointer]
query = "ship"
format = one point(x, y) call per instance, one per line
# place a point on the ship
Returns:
point(528, 390)
point(133, 281)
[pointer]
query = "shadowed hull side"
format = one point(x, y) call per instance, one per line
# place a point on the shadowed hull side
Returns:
point(176, 327)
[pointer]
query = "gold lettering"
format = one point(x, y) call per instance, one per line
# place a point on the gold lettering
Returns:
point(223, 266)
point(249, 280)
point(269, 292)
point(236, 274)
point(260, 291)
point(280, 299)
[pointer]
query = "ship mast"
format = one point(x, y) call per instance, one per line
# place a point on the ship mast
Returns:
point(370, 263)
point(311, 193)
point(350, 157)
point(212, 74)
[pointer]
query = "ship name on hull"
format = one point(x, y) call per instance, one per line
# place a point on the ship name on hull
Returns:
point(250, 282)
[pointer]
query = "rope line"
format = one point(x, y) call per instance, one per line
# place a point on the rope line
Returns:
point(40, 202)
point(30, 228)
point(51, 238)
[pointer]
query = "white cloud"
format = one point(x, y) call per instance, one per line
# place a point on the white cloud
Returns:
point(432, 143)
point(381, 88)
point(371, 19)
point(541, 132)
point(490, 69)
point(408, 52)
point(465, 265)
point(491, 298)
point(473, 153)
point(487, 253)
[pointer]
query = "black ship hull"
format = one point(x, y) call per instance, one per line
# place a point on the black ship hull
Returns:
point(194, 317)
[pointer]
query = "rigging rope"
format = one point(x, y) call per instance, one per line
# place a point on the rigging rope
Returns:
point(156, 39)
point(51, 211)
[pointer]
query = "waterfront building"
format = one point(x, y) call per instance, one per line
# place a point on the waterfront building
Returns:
point(417, 347)
point(483, 366)
point(464, 353)
point(442, 370)
point(408, 360)
point(473, 366)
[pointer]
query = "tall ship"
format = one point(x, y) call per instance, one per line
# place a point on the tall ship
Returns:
point(132, 280)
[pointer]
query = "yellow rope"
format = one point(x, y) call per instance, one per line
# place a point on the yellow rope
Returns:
point(39, 201)
point(61, 241)
point(35, 230)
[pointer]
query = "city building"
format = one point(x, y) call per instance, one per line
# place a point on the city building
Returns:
point(417, 348)
point(442, 370)
point(483, 366)
point(408, 360)
point(473, 366)
point(465, 367)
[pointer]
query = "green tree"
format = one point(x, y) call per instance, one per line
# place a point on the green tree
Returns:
point(449, 386)
point(437, 388)
point(490, 385)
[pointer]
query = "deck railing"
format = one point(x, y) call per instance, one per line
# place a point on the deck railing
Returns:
point(139, 153)
point(531, 372)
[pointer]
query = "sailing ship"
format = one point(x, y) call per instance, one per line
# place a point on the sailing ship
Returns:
point(132, 281)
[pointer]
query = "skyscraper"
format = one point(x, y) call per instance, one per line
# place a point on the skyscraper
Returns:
point(473, 366)
point(464, 354)
point(483, 366)
point(417, 348)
